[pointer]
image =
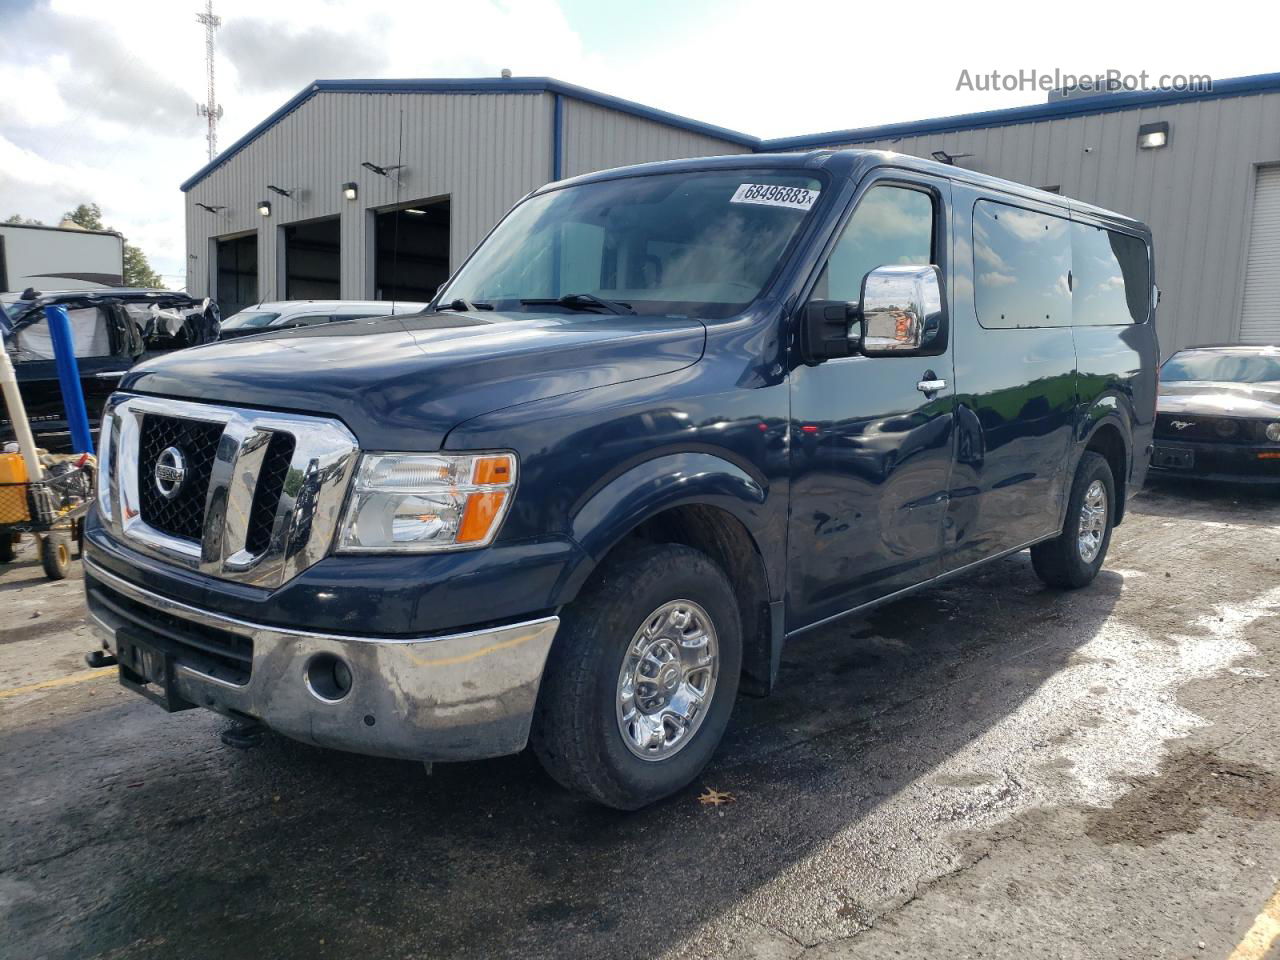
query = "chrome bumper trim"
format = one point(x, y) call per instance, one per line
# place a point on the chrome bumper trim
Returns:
point(461, 696)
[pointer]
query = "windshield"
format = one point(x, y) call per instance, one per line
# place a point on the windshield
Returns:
point(1222, 367)
point(701, 244)
point(248, 319)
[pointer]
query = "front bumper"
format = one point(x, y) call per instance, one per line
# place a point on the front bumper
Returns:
point(463, 696)
point(1218, 462)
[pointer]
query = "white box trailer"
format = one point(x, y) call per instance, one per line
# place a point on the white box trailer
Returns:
point(59, 258)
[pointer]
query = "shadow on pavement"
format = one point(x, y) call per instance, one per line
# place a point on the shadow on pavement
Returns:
point(1206, 501)
point(171, 845)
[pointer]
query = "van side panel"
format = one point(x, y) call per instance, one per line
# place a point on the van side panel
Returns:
point(1016, 418)
point(1117, 385)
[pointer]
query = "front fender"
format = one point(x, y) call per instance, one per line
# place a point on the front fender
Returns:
point(615, 508)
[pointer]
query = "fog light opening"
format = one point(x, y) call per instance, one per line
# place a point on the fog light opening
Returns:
point(328, 677)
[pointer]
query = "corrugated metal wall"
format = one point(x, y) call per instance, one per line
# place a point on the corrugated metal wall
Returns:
point(484, 151)
point(596, 138)
point(1194, 193)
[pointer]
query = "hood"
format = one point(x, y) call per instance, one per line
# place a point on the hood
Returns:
point(402, 382)
point(1211, 398)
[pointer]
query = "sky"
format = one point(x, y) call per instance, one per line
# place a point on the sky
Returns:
point(98, 99)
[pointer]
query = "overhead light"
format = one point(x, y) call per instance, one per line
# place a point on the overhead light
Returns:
point(415, 211)
point(943, 157)
point(349, 190)
point(1153, 136)
point(381, 171)
point(280, 190)
point(264, 207)
point(208, 206)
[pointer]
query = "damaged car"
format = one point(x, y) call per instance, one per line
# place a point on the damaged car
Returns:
point(112, 329)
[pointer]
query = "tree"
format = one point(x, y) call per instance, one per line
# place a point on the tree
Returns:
point(137, 270)
point(87, 215)
point(24, 221)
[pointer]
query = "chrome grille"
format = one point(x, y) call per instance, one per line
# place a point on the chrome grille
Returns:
point(261, 498)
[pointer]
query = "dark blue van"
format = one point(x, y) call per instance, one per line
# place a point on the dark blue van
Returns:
point(662, 419)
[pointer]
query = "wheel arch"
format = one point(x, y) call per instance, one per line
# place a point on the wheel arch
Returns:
point(710, 504)
point(1108, 438)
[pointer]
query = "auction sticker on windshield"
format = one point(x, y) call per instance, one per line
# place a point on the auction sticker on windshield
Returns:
point(773, 195)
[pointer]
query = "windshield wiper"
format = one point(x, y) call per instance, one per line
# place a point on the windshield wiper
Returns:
point(582, 301)
point(462, 306)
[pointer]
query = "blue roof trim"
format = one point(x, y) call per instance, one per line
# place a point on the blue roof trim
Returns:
point(484, 85)
point(1102, 103)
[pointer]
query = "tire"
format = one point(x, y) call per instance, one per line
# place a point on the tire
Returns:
point(8, 547)
point(1069, 561)
point(55, 555)
point(578, 728)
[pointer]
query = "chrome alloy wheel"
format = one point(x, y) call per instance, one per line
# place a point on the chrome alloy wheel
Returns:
point(667, 679)
point(1093, 521)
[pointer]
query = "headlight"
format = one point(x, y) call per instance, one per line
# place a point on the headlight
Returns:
point(417, 503)
point(1273, 432)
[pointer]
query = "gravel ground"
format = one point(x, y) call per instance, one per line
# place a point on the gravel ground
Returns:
point(986, 769)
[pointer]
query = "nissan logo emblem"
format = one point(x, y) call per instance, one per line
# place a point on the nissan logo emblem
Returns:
point(171, 470)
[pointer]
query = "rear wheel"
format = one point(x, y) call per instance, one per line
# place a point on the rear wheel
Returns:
point(641, 678)
point(1074, 558)
point(55, 555)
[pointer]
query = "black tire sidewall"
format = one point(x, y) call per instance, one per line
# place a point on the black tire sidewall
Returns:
point(631, 590)
point(1092, 467)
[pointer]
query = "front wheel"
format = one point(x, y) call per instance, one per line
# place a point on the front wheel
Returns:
point(1073, 558)
point(641, 678)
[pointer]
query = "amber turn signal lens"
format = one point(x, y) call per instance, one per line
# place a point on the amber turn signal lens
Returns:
point(493, 470)
point(1269, 455)
point(478, 517)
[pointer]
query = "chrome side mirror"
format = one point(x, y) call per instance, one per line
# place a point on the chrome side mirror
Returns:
point(902, 309)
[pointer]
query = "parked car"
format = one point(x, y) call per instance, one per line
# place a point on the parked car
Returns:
point(662, 419)
point(284, 314)
point(1219, 415)
point(112, 329)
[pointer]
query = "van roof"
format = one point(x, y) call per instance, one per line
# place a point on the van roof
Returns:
point(854, 164)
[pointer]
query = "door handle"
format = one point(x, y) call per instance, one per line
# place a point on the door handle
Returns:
point(931, 386)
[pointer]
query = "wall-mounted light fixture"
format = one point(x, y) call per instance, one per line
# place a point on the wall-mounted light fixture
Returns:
point(280, 190)
point(1153, 136)
point(350, 190)
point(943, 157)
point(380, 170)
point(264, 207)
point(208, 206)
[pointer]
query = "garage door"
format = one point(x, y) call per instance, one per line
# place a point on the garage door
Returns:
point(1260, 312)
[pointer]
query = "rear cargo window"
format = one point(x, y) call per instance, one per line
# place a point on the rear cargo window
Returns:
point(1021, 262)
point(1111, 277)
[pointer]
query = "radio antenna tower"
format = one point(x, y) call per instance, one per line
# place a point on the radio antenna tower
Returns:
point(211, 110)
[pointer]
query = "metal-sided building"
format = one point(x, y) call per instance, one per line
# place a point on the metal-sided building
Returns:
point(307, 204)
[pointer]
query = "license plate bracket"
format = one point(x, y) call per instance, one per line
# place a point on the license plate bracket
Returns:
point(147, 670)
point(1173, 458)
